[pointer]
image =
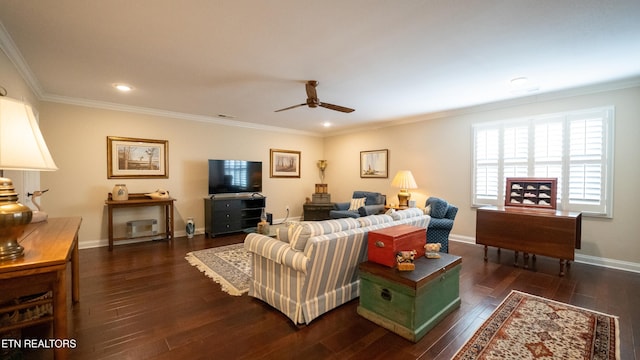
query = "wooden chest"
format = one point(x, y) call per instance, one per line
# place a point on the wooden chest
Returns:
point(410, 303)
point(383, 244)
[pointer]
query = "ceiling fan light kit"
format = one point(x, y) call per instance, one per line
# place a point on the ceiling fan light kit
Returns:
point(313, 101)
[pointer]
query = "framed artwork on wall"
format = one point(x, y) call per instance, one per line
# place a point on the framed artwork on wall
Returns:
point(374, 164)
point(284, 163)
point(131, 158)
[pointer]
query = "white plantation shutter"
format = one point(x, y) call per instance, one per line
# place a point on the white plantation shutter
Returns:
point(573, 147)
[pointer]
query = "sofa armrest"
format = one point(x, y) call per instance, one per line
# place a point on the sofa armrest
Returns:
point(296, 260)
point(441, 224)
point(266, 247)
point(371, 210)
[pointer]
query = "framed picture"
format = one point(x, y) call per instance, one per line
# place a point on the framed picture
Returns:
point(531, 192)
point(374, 164)
point(130, 158)
point(285, 163)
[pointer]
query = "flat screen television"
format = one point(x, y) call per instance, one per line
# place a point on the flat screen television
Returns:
point(234, 176)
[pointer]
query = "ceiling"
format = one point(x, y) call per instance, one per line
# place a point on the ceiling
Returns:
point(236, 61)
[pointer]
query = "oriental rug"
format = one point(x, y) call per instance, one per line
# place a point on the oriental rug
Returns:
point(525, 326)
point(229, 266)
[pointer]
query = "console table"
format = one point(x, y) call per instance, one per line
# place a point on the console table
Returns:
point(49, 247)
point(140, 200)
point(544, 232)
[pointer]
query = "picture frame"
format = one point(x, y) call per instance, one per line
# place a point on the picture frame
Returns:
point(284, 163)
point(531, 192)
point(374, 163)
point(133, 158)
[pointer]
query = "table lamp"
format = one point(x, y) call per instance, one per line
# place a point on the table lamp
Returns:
point(404, 180)
point(22, 147)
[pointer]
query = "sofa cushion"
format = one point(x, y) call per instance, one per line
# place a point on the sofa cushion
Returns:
point(438, 207)
point(301, 232)
point(405, 214)
point(374, 220)
point(356, 204)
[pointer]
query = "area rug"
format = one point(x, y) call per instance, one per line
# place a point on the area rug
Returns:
point(229, 266)
point(525, 326)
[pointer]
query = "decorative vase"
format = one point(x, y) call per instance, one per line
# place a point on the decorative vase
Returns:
point(190, 228)
point(263, 225)
point(120, 192)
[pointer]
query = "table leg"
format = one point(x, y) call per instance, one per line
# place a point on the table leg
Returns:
point(60, 312)
point(515, 258)
point(525, 261)
point(169, 225)
point(562, 267)
point(110, 227)
point(485, 252)
point(75, 273)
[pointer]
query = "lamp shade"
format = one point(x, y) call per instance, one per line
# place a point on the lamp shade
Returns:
point(22, 146)
point(404, 180)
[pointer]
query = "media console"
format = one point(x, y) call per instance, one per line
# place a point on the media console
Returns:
point(223, 215)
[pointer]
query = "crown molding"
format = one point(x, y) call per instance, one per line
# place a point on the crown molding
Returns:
point(170, 114)
point(11, 50)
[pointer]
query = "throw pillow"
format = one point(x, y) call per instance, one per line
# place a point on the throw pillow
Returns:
point(405, 214)
point(356, 204)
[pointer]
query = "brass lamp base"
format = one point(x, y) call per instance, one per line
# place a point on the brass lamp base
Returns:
point(403, 198)
point(14, 217)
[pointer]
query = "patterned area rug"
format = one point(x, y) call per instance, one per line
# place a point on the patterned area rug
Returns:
point(229, 266)
point(530, 327)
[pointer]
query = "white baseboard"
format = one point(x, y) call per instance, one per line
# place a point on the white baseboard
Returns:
point(580, 258)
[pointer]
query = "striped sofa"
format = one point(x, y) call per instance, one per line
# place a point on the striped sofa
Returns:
point(312, 267)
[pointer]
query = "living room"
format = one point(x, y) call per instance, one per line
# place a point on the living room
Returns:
point(436, 147)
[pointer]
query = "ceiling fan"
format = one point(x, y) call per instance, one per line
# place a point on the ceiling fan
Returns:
point(312, 100)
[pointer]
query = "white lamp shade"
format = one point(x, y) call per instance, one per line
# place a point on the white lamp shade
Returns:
point(22, 146)
point(404, 180)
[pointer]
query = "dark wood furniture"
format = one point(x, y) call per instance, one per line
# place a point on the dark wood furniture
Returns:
point(550, 233)
point(49, 248)
point(410, 303)
point(225, 215)
point(140, 200)
point(317, 211)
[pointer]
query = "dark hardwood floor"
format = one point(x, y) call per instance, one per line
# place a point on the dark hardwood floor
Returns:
point(144, 301)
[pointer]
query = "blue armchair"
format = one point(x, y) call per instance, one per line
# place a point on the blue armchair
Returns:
point(373, 204)
point(442, 216)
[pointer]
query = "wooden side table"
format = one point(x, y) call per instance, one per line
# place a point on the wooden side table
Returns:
point(410, 303)
point(138, 200)
point(49, 248)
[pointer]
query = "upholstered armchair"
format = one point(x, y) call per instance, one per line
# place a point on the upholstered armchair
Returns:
point(442, 216)
point(373, 204)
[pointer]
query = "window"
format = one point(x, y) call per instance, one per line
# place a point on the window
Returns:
point(574, 147)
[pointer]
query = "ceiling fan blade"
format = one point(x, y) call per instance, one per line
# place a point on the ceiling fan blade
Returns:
point(337, 107)
point(311, 89)
point(291, 107)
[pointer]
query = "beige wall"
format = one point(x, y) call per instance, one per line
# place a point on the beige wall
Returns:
point(438, 152)
point(77, 138)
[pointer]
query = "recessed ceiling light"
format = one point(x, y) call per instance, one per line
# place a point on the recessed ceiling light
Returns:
point(522, 85)
point(519, 81)
point(326, 124)
point(123, 87)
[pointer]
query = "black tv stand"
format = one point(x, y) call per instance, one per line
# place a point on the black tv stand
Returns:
point(225, 215)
